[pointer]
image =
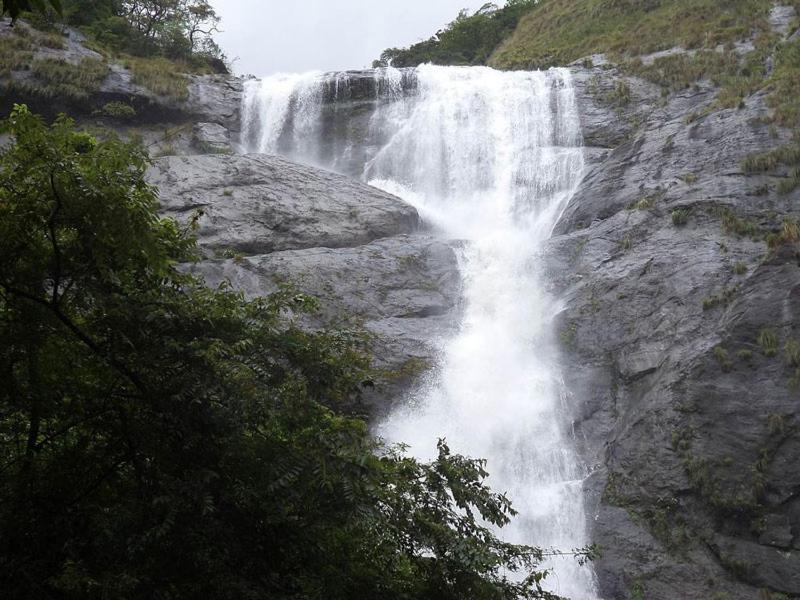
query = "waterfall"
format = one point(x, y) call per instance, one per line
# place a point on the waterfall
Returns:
point(490, 158)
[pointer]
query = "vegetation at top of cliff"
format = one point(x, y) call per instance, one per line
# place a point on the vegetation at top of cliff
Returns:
point(160, 439)
point(468, 40)
point(177, 30)
point(527, 34)
point(557, 32)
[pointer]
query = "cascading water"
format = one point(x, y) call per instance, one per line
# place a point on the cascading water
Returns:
point(490, 158)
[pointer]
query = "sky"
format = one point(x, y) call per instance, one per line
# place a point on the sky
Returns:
point(272, 36)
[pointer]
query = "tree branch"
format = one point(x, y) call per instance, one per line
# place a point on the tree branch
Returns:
point(51, 228)
point(83, 337)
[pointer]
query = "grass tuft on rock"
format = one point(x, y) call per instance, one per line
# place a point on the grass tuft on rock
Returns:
point(680, 216)
point(159, 75)
point(59, 79)
point(768, 340)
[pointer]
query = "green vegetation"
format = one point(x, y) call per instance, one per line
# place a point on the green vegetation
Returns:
point(647, 201)
point(735, 225)
point(789, 233)
point(737, 75)
point(160, 439)
point(179, 30)
point(784, 99)
point(158, 75)
point(785, 84)
point(157, 40)
point(661, 516)
point(679, 71)
point(689, 178)
point(469, 40)
point(17, 47)
point(709, 303)
point(60, 79)
point(637, 589)
point(642, 204)
point(792, 351)
point(557, 32)
point(740, 268)
point(734, 498)
point(723, 298)
point(768, 341)
point(787, 155)
point(680, 216)
point(759, 163)
point(17, 7)
point(118, 110)
point(620, 96)
point(721, 354)
point(15, 52)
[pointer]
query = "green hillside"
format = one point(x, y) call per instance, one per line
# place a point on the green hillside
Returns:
point(557, 32)
point(525, 34)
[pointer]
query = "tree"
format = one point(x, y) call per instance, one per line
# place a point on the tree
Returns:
point(87, 12)
point(15, 7)
point(201, 21)
point(469, 39)
point(160, 439)
point(168, 19)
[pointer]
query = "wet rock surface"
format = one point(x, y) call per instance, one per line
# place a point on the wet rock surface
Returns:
point(676, 334)
point(265, 221)
point(211, 138)
point(255, 204)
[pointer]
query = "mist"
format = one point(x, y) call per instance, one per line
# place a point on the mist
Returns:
point(262, 37)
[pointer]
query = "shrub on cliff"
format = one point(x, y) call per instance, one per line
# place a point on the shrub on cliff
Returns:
point(160, 439)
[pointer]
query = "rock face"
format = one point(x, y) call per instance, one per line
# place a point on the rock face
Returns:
point(266, 221)
point(678, 330)
point(211, 138)
point(255, 204)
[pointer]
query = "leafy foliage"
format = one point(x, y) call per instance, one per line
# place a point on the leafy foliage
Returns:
point(173, 29)
point(15, 7)
point(159, 439)
point(469, 40)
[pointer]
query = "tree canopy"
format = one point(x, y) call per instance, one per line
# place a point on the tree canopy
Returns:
point(175, 29)
point(469, 40)
point(17, 7)
point(161, 439)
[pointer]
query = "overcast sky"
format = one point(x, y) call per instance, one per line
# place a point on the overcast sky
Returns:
point(270, 36)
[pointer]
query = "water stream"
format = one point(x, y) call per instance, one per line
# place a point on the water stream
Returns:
point(491, 158)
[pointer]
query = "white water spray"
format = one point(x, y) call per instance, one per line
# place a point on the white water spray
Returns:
point(490, 158)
